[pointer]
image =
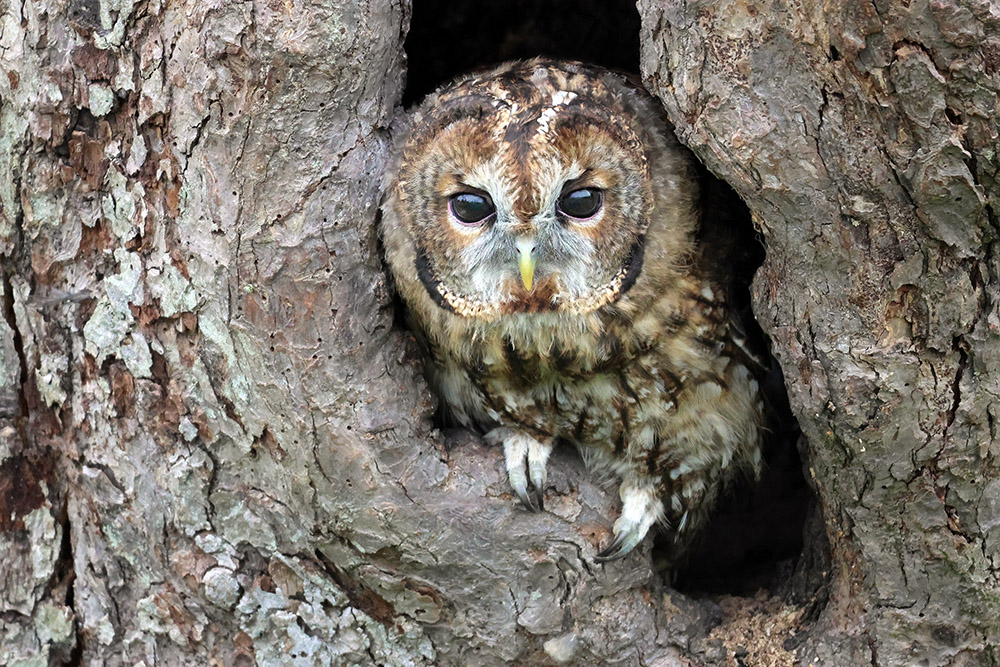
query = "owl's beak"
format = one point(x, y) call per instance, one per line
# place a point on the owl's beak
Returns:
point(527, 262)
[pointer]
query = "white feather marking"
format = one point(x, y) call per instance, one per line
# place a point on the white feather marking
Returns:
point(727, 456)
point(683, 469)
point(675, 503)
point(559, 98)
point(709, 391)
point(693, 489)
point(546, 117)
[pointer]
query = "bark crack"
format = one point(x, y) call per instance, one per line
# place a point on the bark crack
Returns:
point(199, 130)
point(942, 71)
point(361, 596)
point(11, 318)
point(316, 443)
point(224, 401)
point(109, 473)
point(311, 189)
point(64, 575)
point(819, 128)
point(399, 483)
point(962, 347)
point(579, 554)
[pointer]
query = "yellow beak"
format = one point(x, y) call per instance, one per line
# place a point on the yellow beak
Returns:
point(527, 262)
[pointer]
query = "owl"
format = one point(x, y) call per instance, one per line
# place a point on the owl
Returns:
point(541, 225)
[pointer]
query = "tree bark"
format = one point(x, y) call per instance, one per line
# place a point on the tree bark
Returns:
point(215, 443)
point(863, 136)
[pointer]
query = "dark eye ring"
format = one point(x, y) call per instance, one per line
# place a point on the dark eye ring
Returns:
point(581, 204)
point(470, 208)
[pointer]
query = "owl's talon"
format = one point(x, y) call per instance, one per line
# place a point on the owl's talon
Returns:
point(623, 544)
point(641, 508)
point(539, 500)
point(613, 551)
point(519, 483)
point(526, 457)
point(537, 457)
point(526, 499)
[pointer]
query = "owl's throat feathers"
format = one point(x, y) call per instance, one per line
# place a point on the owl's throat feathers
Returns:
point(537, 296)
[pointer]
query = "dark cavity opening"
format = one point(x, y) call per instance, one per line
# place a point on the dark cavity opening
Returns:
point(767, 535)
point(757, 535)
point(448, 38)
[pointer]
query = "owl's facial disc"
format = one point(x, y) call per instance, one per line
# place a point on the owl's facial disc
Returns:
point(548, 238)
point(527, 199)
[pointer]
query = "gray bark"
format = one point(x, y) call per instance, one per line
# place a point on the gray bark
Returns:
point(863, 136)
point(216, 446)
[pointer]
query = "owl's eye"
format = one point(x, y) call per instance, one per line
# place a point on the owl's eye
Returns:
point(470, 208)
point(581, 204)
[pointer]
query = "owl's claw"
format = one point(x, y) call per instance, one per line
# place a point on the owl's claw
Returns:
point(531, 499)
point(539, 499)
point(537, 472)
point(613, 551)
point(641, 508)
point(624, 542)
point(526, 458)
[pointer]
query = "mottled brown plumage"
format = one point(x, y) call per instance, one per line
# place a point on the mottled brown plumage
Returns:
point(540, 225)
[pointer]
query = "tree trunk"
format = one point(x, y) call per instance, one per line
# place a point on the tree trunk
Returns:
point(215, 443)
point(863, 137)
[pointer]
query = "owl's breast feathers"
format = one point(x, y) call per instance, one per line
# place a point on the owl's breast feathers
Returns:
point(591, 378)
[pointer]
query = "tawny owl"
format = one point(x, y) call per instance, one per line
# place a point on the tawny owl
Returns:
point(541, 226)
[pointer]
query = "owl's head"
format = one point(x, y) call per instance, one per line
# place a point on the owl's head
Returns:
point(540, 186)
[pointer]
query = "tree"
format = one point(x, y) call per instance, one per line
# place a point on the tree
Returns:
point(863, 137)
point(215, 443)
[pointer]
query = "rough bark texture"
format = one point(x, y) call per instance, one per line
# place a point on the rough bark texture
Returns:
point(216, 411)
point(863, 136)
point(216, 447)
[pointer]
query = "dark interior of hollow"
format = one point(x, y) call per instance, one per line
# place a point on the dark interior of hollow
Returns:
point(756, 537)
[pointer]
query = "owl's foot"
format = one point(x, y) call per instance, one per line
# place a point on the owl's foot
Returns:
point(526, 458)
point(641, 508)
